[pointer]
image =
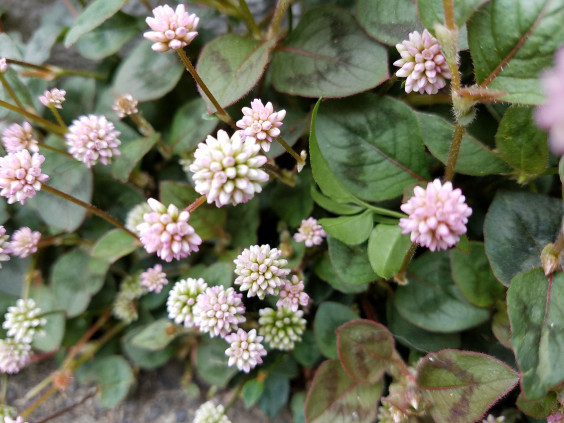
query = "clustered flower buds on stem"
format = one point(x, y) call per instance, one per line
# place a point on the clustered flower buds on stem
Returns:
point(53, 98)
point(261, 122)
point(182, 298)
point(154, 279)
point(310, 232)
point(246, 350)
point(208, 412)
point(20, 176)
point(282, 328)
point(171, 29)
point(125, 105)
point(19, 137)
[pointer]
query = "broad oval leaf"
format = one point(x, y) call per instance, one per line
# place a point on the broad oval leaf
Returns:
point(350, 263)
point(212, 362)
point(432, 301)
point(335, 397)
point(231, 65)
point(518, 226)
point(511, 41)
point(539, 409)
point(387, 248)
point(537, 332)
point(372, 144)
point(365, 350)
point(328, 55)
point(55, 326)
point(114, 245)
point(154, 336)
point(190, 126)
point(324, 269)
point(328, 318)
point(352, 230)
point(463, 385)
point(132, 151)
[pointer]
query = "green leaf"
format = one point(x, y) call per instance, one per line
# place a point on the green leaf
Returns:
point(207, 219)
point(332, 205)
point(131, 153)
point(145, 358)
point(370, 142)
point(511, 41)
point(518, 226)
point(92, 17)
point(297, 405)
point(501, 327)
point(14, 272)
point(521, 143)
point(350, 263)
point(114, 245)
point(75, 278)
point(292, 204)
point(55, 326)
point(70, 176)
point(275, 395)
point(324, 269)
point(153, 337)
point(329, 55)
point(387, 248)
point(216, 274)
point(537, 332)
point(146, 74)
point(389, 25)
point(231, 65)
point(243, 222)
point(365, 350)
point(541, 408)
point(328, 318)
point(352, 230)
point(252, 390)
point(54, 22)
point(463, 385)
point(335, 397)
point(109, 37)
point(212, 362)
point(474, 157)
point(189, 127)
point(432, 301)
point(306, 352)
point(473, 275)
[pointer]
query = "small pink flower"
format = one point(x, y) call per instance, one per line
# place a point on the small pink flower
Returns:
point(20, 176)
point(19, 419)
point(166, 231)
point(246, 349)
point(19, 137)
point(93, 138)
point(24, 242)
point(310, 232)
point(261, 122)
point(125, 105)
point(54, 98)
point(154, 279)
point(3, 65)
point(218, 311)
point(550, 115)
point(14, 355)
point(422, 63)
point(292, 295)
point(437, 216)
point(171, 29)
point(555, 418)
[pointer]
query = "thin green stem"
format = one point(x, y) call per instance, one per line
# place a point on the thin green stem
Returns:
point(55, 149)
point(448, 6)
point(201, 200)
point(453, 153)
point(147, 5)
point(290, 150)
point(50, 126)
point(10, 91)
point(38, 402)
point(93, 209)
point(58, 117)
point(3, 388)
point(249, 19)
point(400, 276)
point(221, 113)
point(281, 8)
point(233, 400)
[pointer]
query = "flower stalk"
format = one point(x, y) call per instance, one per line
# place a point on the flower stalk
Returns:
point(44, 123)
point(10, 91)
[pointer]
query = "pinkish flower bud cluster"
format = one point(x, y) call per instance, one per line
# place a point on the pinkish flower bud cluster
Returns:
point(246, 350)
point(422, 63)
point(261, 271)
point(227, 170)
point(310, 232)
point(19, 419)
point(93, 138)
point(182, 298)
point(24, 242)
point(166, 231)
point(218, 311)
point(125, 105)
point(53, 98)
point(4, 246)
point(550, 115)
point(292, 295)
point(154, 279)
point(19, 137)
point(14, 355)
point(135, 217)
point(208, 412)
point(23, 321)
point(125, 303)
point(282, 328)
point(171, 29)
point(3, 65)
point(261, 122)
point(556, 417)
point(20, 176)
point(437, 215)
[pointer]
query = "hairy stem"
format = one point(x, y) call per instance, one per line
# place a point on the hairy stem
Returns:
point(400, 276)
point(58, 117)
point(453, 153)
point(44, 123)
point(290, 150)
point(249, 19)
point(281, 8)
point(195, 204)
point(10, 91)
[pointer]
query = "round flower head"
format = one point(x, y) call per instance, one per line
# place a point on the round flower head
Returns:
point(125, 105)
point(281, 328)
point(53, 98)
point(22, 321)
point(4, 246)
point(19, 137)
point(246, 349)
point(260, 271)
point(292, 295)
point(218, 311)
point(437, 216)
point(19, 419)
point(24, 242)
point(550, 115)
point(166, 231)
point(20, 176)
point(91, 139)
point(154, 279)
point(208, 412)
point(555, 418)
point(14, 355)
point(227, 170)
point(261, 122)
point(171, 29)
point(422, 63)
point(310, 232)
point(182, 298)
point(124, 307)
point(3, 65)
point(135, 217)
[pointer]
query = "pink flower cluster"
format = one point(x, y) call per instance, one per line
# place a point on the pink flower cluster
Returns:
point(218, 311)
point(292, 295)
point(154, 279)
point(24, 242)
point(19, 137)
point(261, 122)
point(54, 98)
point(20, 176)
point(310, 232)
point(246, 350)
point(171, 29)
point(437, 215)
